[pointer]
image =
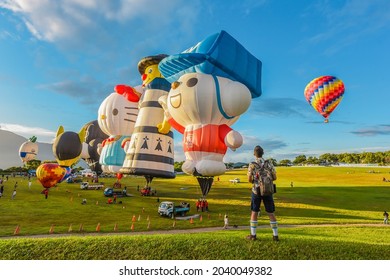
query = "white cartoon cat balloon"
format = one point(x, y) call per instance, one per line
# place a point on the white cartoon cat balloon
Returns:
point(116, 117)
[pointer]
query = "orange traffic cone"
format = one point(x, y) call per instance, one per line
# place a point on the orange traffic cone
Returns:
point(191, 221)
point(98, 227)
point(17, 230)
point(132, 226)
point(134, 219)
point(70, 228)
point(116, 227)
point(201, 218)
point(51, 230)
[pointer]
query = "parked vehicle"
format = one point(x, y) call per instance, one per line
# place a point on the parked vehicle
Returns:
point(74, 179)
point(235, 180)
point(109, 192)
point(147, 191)
point(168, 208)
point(87, 186)
point(88, 173)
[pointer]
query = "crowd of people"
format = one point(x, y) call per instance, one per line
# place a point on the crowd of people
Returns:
point(202, 205)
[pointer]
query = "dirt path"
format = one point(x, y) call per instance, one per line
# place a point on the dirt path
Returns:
point(182, 231)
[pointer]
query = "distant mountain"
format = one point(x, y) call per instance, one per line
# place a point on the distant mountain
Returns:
point(9, 149)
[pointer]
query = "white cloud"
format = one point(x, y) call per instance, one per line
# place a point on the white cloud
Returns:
point(82, 20)
point(42, 134)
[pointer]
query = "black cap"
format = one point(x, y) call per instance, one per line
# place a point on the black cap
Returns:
point(150, 60)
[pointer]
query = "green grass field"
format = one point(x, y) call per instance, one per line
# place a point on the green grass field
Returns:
point(321, 195)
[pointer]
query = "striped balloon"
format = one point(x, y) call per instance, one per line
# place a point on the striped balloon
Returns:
point(324, 94)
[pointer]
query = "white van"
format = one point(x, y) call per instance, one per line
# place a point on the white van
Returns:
point(88, 173)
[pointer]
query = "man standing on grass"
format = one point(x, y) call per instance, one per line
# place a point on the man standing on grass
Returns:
point(13, 194)
point(257, 198)
point(385, 217)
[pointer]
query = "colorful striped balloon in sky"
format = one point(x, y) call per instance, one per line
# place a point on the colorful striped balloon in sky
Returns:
point(324, 94)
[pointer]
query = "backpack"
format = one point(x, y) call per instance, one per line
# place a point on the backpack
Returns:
point(263, 179)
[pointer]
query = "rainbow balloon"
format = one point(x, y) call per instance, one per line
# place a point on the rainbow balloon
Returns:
point(324, 94)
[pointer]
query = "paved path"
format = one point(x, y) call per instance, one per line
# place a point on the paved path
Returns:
point(183, 231)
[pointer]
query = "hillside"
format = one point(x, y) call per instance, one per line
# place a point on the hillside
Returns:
point(9, 149)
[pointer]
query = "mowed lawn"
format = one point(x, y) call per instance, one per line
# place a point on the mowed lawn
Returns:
point(340, 208)
point(319, 195)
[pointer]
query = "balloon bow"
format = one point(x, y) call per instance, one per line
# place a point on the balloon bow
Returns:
point(128, 92)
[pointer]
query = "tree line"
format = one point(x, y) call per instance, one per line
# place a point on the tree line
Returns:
point(380, 158)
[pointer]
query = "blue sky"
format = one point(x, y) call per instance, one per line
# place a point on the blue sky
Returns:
point(60, 59)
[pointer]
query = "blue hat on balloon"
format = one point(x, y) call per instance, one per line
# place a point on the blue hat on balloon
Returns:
point(220, 55)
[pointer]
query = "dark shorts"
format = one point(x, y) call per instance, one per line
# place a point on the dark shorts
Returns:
point(268, 201)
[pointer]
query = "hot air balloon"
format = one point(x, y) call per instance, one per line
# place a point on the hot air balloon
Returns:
point(67, 146)
point(324, 94)
point(116, 117)
point(203, 107)
point(93, 137)
point(68, 172)
point(119, 176)
point(49, 174)
point(29, 149)
point(213, 83)
point(150, 152)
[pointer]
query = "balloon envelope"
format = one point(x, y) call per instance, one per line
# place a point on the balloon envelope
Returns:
point(119, 175)
point(93, 137)
point(68, 172)
point(28, 150)
point(219, 54)
point(324, 94)
point(67, 146)
point(49, 174)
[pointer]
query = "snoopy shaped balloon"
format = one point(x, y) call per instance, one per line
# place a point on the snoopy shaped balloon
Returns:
point(203, 107)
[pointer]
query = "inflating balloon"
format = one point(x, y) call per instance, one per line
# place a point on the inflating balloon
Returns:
point(68, 172)
point(119, 176)
point(213, 83)
point(93, 137)
point(67, 146)
point(49, 174)
point(116, 117)
point(29, 149)
point(203, 107)
point(324, 94)
point(150, 152)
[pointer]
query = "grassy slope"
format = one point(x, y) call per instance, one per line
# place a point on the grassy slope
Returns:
point(319, 195)
point(336, 243)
